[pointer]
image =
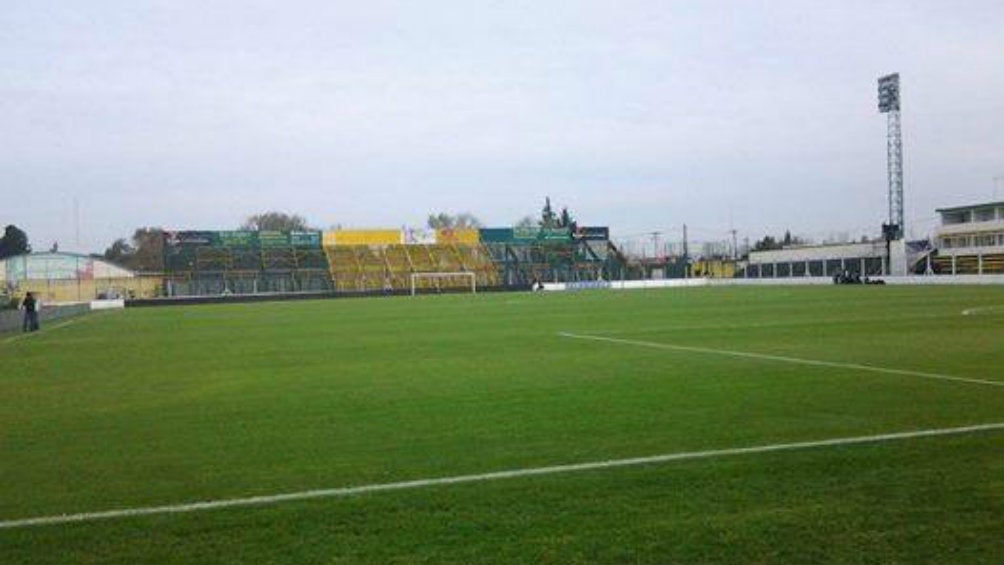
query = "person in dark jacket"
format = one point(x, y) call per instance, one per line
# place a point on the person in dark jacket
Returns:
point(30, 306)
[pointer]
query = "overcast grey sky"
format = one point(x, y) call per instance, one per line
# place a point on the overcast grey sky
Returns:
point(637, 115)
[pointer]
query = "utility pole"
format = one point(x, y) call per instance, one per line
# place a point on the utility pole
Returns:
point(735, 246)
point(655, 244)
point(76, 222)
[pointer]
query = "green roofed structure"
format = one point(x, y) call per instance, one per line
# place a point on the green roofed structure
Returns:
point(243, 262)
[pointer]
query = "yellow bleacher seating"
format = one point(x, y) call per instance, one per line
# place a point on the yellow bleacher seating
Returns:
point(386, 267)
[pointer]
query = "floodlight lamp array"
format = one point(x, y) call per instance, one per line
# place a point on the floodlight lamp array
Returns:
point(888, 93)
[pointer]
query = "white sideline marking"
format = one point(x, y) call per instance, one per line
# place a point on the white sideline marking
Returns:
point(981, 310)
point(783, 359)
point(48, 328)
point(483, 477)
point(758, 325)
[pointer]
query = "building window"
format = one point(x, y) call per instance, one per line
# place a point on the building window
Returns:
point(954, 218)
point(985, 214)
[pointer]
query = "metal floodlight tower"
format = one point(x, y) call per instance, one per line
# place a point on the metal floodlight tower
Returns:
point(888, 104)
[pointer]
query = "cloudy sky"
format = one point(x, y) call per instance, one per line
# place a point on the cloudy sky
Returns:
point(634, 114)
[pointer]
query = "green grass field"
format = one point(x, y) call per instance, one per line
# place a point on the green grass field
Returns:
point(166, 406)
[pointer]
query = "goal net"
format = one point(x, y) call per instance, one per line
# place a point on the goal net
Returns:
point(438, 282)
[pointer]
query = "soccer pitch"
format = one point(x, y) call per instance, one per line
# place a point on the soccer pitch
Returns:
point(705, 425)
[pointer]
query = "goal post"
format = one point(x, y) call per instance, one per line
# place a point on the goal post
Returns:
point(439, 281)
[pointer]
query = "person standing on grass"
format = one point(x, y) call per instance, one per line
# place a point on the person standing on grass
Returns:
point(30, 305)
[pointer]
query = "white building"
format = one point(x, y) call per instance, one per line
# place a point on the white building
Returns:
point(970, 239)
point(70, 277)
point(50, 266)
point(864, 259)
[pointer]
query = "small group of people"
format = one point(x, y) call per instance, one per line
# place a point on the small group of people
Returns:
point(847, 277)
point(30, 306)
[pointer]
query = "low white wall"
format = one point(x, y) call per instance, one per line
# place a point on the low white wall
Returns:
point(793, 281)
point(107, 304)
point(800, 281)
point(626, 285)
point(946, 279)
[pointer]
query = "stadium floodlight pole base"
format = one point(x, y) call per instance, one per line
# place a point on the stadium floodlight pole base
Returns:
point(440, 276)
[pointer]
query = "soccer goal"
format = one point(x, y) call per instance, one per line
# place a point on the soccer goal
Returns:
point(442, 281)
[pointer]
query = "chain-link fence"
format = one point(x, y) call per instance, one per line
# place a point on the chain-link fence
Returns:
point(86, 289)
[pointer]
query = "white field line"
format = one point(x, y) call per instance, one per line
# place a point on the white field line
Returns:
point(47, 328)
point(484, 477)
point(758, 325)
point(781, 358)
point(982, 310)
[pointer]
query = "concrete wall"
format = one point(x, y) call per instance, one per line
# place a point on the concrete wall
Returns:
point(11, 320)
point(76, 290)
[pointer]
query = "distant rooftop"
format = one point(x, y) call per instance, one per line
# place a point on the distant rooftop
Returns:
point(970, 207)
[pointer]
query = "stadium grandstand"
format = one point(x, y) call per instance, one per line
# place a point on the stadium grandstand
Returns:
point(212, 263)
point(970, 240)
point(867, 259)
point(243, 262)
point(525, 255)
point(385, 260)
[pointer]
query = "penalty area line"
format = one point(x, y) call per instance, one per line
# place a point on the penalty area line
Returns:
point(485, 477)
point(781, 359)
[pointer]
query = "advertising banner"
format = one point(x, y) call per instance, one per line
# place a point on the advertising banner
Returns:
point(496, 235)
point(556, 234)
point(242, 239)
point(237, 238)
point(368, 237)
point(535, 234)
point(416, 236)
point(328, 238)
point(587, 285)
point(194, 238)
point(273, 239)
point(526, 233)
point(467, 236)
point(592, 233)
point(305, 239)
